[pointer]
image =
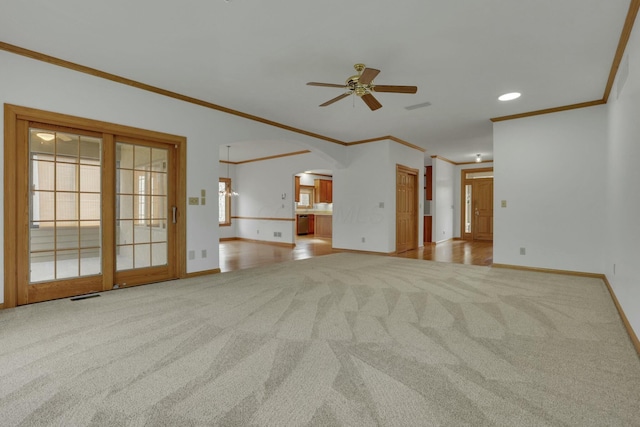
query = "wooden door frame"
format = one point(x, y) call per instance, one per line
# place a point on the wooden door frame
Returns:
point(409, 171)
point(13, 115)
point(463, 182)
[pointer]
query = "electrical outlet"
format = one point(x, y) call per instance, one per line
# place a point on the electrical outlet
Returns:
point(363, 240)
point(192, 254)
point(204, 253)
point(503, 203)
point(257, 231)
point(193, 200)
point(203, 201)
point(523, 251)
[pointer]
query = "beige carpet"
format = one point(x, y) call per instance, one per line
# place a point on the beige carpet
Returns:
point(338, 340)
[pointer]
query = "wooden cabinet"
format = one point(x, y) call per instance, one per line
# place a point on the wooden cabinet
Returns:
point(427, 229)
point(297, 188)
point(428, 183)
point(312, 220)
point(323, 226)
point(323, 191)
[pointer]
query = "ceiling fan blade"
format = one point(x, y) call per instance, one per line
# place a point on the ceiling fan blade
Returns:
point(337, 98)
point(325, 84)
point(371, 101)
point(367, 76)
point(395, 89)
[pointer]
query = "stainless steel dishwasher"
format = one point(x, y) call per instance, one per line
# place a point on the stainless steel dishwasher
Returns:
point(303, 224)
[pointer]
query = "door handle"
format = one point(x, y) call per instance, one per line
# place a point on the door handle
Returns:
point(174, 210)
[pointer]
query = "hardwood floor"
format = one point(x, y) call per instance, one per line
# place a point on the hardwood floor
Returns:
point(455, 251)
point(239, 254)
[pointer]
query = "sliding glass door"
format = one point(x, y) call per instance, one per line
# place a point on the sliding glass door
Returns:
point(100, 211)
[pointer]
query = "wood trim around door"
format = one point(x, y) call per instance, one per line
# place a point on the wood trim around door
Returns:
point(13, 116)
point(415, 232)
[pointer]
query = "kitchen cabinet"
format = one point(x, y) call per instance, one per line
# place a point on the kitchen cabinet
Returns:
point(323, 191)
point(312, 220)
point(323, 226)
point(297, 188)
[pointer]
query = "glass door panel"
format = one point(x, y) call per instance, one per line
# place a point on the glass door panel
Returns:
point(142, 206)
point(65, 215)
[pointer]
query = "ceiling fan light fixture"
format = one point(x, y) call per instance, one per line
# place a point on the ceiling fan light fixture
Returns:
point(509, 96)
point(230, 191)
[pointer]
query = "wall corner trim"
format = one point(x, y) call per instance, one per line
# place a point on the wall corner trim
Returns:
point(632, 334)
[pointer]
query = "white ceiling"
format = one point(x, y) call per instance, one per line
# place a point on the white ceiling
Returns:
point(257, 56)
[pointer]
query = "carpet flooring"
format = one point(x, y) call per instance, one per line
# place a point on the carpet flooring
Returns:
point(338, 340)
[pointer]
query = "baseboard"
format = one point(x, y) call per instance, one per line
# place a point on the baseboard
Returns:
point(267, 242)
point(549, 270)
point(227, 239)
point(625, 321)
point(443, 241)
point(202, 273)
point(355, 251)
point(632, 334)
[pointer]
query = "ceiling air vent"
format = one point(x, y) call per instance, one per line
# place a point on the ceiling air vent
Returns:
point(415, 107)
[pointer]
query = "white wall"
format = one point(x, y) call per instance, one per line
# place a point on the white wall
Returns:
point(36, 84)
point(550, 170)
point(261, 186)
point(443, 200)
point(369, 181)
point(622, 231)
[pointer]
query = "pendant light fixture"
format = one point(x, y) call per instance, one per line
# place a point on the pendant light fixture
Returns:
point(229, 191)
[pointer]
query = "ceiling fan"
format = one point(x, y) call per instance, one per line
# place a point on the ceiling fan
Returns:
point(362, 85)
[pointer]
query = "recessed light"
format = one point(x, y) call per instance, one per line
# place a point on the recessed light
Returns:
point(509, 96)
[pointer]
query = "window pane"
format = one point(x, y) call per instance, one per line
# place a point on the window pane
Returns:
point(124, 257)
point(90, 178)
point(90, 262)
point(159, 254)
point(66, 177)
point(142, 157)
point(42, 266)
point(142, 256)
point(124, 207)
point(66, 206)
point(67, 264)
point(67, 235)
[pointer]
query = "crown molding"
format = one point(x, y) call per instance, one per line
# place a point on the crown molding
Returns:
point(259, 159)
point(17, 50)
point(388, 137)
point(630, 20)
point(549, 110)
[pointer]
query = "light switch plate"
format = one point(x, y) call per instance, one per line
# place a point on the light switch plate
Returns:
point(203, 193)
point(503, 203)
point(203, 201)
point(193, 200)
